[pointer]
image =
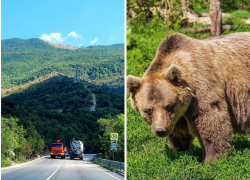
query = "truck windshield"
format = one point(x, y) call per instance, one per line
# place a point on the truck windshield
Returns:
point(57, 145)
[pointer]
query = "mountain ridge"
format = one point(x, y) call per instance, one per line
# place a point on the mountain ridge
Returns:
point(26, 60)
point(64, 46)
point(57, 45)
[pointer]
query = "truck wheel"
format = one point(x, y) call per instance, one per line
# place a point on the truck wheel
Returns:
point(81, 158)
point(71, 158)
point(52, 156)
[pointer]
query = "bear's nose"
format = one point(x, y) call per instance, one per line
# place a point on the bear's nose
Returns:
point(160, 131)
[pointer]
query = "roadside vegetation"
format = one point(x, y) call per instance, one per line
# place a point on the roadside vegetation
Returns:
point(148, 156)
point(106, 127)
point(104, 165)
point(19, 142)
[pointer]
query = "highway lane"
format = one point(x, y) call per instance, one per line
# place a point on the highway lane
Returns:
point(58, 169)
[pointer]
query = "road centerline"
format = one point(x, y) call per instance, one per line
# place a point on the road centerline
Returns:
point(55, 170)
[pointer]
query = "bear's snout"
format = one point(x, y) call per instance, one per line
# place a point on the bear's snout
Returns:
point(160, 131)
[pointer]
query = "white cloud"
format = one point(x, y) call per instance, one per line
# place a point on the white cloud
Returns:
point(52, 37)
point(94, 41)
point(74, 34)
point(112, 38)
point(80, 45)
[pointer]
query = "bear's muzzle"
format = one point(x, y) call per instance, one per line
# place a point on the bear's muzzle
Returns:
point(161, 132)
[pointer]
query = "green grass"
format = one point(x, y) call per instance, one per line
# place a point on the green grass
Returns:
point(241, 14)
point(5, 162)
point(150, 157)
point(201, 11)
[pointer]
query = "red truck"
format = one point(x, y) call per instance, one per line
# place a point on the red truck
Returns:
point(57, 149)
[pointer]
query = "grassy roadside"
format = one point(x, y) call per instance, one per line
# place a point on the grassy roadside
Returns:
point(6, 161)
point(104, 165)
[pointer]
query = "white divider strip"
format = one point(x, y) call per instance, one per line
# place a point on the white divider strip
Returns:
point(104, 171)
point(55, 170)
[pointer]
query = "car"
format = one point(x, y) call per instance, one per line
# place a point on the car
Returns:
point(66, 153)
point(98, 155)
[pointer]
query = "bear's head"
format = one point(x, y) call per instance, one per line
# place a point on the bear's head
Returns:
point(161, 98)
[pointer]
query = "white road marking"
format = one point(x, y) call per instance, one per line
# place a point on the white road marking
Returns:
point(104, 171)
point(55, 171)
point(28, 164)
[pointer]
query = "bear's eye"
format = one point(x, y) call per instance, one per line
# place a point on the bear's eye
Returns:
point(148, 111)
point(170, 108)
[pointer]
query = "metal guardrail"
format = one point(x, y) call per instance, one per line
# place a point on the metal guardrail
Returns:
point(116, 164)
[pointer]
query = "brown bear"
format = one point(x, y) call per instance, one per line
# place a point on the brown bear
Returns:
point(196, 88)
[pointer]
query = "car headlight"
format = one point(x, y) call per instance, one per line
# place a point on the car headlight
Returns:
point(51, 153)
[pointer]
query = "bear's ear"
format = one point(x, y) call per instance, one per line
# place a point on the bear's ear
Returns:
point(173, 74)
point(133, 83)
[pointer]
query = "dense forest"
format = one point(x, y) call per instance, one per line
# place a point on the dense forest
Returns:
point(59, 108)
point(148, 23)
point(24, 61)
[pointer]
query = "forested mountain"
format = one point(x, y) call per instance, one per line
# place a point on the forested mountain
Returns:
point(26, 60)
point(59, 108)
point(41, 102)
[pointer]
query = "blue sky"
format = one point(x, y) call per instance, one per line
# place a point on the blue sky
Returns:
point(69, 22)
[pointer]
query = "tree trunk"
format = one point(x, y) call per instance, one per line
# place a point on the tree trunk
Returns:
point(216, 17)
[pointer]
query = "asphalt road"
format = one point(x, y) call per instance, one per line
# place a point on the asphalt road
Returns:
point(46, 168)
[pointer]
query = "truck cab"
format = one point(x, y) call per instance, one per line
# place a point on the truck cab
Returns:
point(57, 149)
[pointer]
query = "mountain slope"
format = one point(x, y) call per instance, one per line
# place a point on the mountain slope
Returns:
point(26, 60)
point(59, 108)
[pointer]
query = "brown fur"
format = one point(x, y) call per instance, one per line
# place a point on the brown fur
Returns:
point(197, 88)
